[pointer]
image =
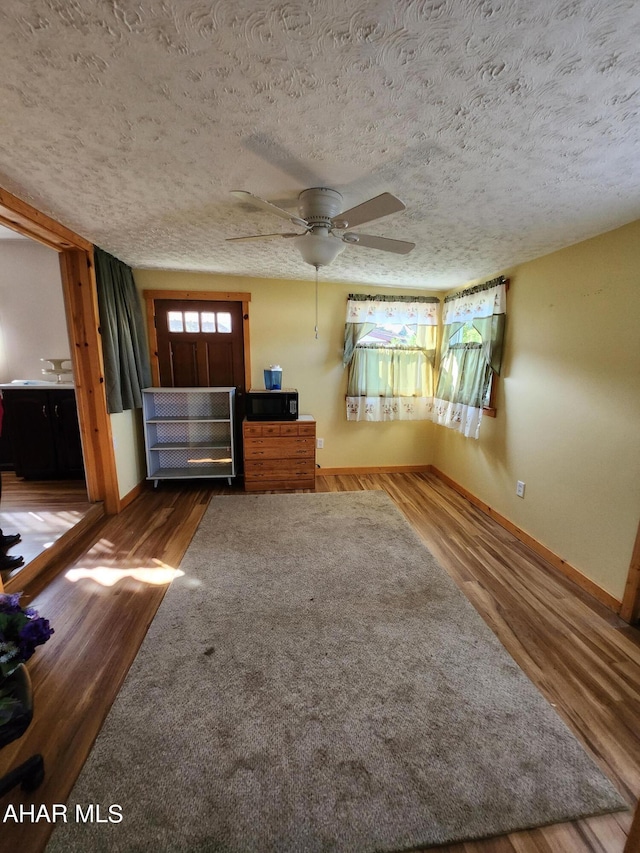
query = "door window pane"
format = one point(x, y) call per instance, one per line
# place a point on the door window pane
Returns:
point(191, 321)
point(224, 321)
point(174, 319)
point(208, 321)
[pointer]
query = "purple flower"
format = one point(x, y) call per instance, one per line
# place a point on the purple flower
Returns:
point(10, 603)
point(34, 633)
point(21, 630)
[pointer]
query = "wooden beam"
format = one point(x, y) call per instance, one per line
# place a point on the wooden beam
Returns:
point(26, 220)
point(204, 295)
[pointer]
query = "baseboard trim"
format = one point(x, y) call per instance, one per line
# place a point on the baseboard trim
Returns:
point(557, 562)
point(131, 496)
point(44, 561)
point(375, 469)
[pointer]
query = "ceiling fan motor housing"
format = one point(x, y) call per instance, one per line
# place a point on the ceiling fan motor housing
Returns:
point(319, 205)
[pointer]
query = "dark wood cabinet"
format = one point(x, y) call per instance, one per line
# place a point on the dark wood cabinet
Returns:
point(43, 431)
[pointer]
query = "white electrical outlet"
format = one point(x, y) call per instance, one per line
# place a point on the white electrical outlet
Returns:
point(520, 489)
point(319, 443)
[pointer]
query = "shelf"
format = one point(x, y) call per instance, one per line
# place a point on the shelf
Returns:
point(185, 419)
point(191, 445)
point(185, 429)
point(221, 470)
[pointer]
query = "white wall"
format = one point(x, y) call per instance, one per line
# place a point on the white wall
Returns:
point(32, 317)
point(128, 445)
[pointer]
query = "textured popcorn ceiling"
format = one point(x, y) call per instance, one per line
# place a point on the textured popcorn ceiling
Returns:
point(509, 128)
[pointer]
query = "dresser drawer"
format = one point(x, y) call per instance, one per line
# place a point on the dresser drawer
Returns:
point(251, 429)
point(294, 482)
point(278, 448)
point(285, 429)
point(279, 468)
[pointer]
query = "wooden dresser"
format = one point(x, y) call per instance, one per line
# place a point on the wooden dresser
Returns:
point(279, 454)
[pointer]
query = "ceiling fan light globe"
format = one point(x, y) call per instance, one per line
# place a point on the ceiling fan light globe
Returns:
point(319, 249)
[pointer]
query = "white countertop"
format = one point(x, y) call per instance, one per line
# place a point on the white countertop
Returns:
point(37, 386)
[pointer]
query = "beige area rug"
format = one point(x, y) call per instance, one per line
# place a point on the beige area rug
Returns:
point(316, 682)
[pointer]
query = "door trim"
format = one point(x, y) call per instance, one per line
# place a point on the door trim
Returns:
point(150, 297)
point(81, 307)
point(630, 610)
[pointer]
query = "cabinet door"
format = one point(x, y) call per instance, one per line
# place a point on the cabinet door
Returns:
point(66, 429)
point(28, 426)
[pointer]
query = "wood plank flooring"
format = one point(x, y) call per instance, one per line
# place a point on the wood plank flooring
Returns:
point(582, 657)
point(41, 511)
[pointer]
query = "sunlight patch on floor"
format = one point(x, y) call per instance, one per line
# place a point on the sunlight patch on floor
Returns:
point(159, 575)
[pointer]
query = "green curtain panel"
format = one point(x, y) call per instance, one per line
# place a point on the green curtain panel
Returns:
point(124, 346)
point(385, 372)
point(464, 375)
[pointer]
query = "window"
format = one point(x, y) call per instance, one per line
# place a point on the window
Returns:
point(470, 355)
point(199, 321)
point(390, 345)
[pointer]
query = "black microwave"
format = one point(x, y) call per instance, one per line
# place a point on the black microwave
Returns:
point(271, 405)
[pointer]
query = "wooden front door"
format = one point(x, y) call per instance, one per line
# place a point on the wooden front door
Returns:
point(200, 343)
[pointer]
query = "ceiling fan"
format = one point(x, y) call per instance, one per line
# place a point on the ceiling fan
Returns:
point(327, 230)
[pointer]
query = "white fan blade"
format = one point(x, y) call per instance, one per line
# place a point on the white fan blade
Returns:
point(400, 247)
point(259, 237)
point(256, 201)
point(375, 208)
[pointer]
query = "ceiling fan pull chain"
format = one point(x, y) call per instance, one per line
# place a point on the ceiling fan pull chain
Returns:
point(316, 327)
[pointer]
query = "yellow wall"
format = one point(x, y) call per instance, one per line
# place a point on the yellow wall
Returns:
point(282, 321)
point(568, 420)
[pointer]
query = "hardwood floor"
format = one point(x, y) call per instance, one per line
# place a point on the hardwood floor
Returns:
point(41, 511)
point(582, 657)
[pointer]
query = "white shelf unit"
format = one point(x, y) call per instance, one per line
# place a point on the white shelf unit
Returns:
point(189, 432)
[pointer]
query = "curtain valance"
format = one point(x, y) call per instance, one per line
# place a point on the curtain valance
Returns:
point(478, 302)
point(420, 310)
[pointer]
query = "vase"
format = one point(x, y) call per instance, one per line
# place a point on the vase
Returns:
point(17, 686)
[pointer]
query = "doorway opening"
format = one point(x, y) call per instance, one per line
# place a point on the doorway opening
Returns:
point(44, 492)
point(75, 259)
